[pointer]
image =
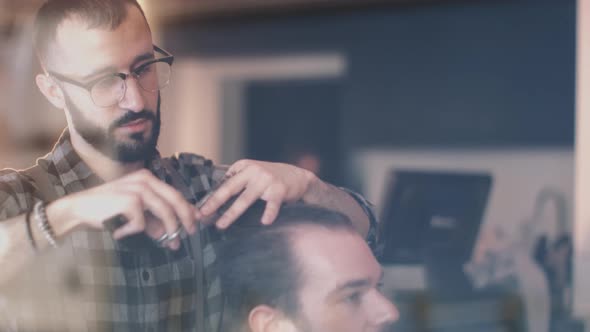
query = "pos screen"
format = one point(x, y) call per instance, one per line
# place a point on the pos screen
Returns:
point(427, 214)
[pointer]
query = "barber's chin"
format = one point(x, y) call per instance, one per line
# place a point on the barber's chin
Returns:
point(134, 137)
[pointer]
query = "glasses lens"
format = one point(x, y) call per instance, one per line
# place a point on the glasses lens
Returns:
point(108, 91)
point(154, 76)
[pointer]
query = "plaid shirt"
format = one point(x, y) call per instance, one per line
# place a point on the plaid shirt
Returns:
point(123, 285)
point(124, 289)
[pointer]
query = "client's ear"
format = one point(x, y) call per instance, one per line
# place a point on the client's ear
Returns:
point(268, 319)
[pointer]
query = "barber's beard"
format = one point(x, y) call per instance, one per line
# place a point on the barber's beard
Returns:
point(135, 148)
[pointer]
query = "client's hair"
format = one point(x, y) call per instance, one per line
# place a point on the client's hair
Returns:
point(257, 265)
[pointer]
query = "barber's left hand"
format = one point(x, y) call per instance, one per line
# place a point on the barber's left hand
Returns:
point(274, 183)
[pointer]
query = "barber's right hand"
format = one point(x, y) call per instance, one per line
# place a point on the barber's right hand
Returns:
point(131, 197)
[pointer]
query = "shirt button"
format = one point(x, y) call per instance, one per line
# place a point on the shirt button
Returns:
point(145, 275)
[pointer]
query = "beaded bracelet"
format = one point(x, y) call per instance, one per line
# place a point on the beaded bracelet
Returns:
point(43, 223)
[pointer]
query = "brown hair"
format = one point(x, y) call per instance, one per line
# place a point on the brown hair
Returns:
point(257, 264)
point(108, 14)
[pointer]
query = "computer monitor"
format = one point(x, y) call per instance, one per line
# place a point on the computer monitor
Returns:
point(431, 215)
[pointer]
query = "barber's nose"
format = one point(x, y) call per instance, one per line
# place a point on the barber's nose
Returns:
point(133, 99)
point(384, 312)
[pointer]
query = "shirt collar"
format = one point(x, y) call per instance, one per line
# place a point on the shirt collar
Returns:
point(74, 173)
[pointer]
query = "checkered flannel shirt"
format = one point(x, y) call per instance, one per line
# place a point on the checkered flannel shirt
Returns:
point(126, 289)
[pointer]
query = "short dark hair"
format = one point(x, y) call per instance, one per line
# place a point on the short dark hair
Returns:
point(107, 14)
point(257, 263)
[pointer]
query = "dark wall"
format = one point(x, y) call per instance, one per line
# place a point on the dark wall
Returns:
point(306, 120)
point(481, 73)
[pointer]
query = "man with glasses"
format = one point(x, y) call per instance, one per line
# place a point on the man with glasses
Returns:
point(104, 198)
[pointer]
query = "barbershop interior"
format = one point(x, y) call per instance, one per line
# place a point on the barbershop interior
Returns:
point(464, 122)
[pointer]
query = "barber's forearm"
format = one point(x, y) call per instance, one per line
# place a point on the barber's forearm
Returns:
point(16, 250)
point(326, 195)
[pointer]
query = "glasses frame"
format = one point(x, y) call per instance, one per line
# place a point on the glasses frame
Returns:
point(167, 58)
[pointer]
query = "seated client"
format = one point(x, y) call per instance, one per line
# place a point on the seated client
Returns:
point(310, 271)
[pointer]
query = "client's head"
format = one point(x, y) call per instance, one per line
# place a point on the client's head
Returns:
point(310, 271)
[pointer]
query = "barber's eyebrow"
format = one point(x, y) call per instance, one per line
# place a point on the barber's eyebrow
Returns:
point(112, 69)
point(142, 58)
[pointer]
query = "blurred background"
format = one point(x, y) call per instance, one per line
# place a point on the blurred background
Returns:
point(356, 90)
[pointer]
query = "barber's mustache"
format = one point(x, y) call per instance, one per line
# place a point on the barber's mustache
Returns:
point(133, 116)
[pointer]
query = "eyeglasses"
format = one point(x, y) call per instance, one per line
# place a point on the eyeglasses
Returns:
point(107, 91)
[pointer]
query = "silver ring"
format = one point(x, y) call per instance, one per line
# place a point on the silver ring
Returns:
point(162, 238)
point(175, 234)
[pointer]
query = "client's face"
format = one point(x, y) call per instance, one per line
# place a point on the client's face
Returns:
point(340, 284)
